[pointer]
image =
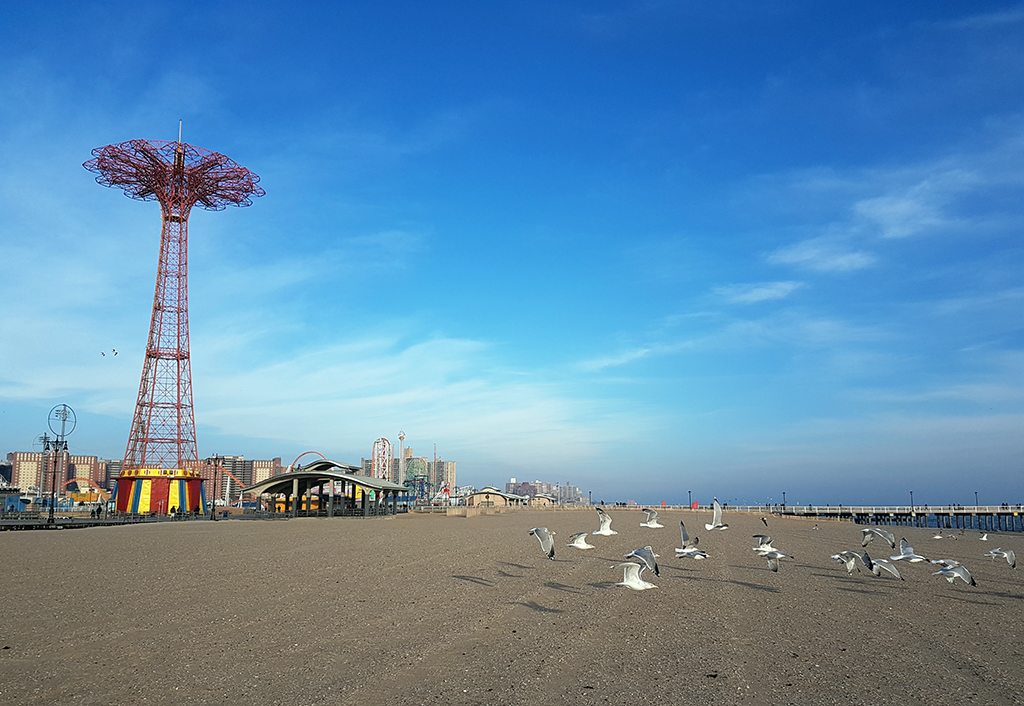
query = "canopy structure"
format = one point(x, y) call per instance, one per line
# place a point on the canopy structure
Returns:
point(313, 490)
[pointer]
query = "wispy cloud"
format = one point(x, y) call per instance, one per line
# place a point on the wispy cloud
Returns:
point(441, 387)
point(789, 330)
point(754, 293)
point(823, 254)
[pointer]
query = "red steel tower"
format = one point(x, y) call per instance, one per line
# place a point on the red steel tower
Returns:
point(179, 176)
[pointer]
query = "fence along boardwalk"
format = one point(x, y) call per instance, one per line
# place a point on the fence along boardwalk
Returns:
point(985, 518)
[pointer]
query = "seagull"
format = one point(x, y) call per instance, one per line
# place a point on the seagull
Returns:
point(631, 576)
point(764, 543)
point(579, 540)
point(606, 523)
point(951, 536)
point(689, 548)
point(815, 527)
point(648, 557)
point(850, 558)
point(103, 354)
point(1007, 554)
point(872, 532)
point(937, 535)
point(951, 573)
point(652, 519)
point(878, 564)
point(115, 350)
point(773, 559)
point(765, 521)
point(907, 553)
point(546, 541)
point(716, 519)
point(984, 537)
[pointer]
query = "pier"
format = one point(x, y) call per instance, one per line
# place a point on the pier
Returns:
point(984, 518)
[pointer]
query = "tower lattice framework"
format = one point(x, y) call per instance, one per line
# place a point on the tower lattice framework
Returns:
point(179, 176)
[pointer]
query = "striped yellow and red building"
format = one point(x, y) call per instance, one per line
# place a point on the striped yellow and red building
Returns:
point(159, 490)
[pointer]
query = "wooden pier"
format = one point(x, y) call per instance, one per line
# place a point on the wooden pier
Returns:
point(984, 518)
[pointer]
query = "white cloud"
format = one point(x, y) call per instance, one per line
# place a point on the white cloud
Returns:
point(754, 293)
point(823, 254)
point(441, 388)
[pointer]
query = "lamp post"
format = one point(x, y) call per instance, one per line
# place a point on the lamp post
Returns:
point(66, 416)
point(975, 499)
point(689, 498)
point(911, 500)
point(217, 460)
point(783, 499)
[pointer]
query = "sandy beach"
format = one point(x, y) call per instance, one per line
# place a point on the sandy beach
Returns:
point(421, 609)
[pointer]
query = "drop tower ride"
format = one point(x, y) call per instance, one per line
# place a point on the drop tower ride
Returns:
point(160, 470)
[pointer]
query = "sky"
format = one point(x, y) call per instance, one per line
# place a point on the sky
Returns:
point(649, 249)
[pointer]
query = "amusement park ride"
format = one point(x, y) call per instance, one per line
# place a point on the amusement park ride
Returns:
point(160, 468)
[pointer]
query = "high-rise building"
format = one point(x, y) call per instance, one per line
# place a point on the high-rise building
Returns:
point(442, 474)
point(27, 470)
point(262, 470)
point(88, 468)
point(112, 470)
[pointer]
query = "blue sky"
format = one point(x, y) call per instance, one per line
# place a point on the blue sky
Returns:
point(737, 248)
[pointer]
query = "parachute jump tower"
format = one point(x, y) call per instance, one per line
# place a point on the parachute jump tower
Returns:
point(160, 468)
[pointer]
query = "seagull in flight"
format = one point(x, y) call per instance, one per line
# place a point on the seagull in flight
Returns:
point(951, 573)
point(907, 553)
point(606, 523)
point(1007, 554)
point(849, 559)
point(648, 557)
point(716, 519)
point(765, 521)
point(984, 537)
point(764, 544)
point(937, 535)
point(878, 565)
point(872, 532)
point(631, 576)
point(579, 540)
point(689, 548)
point(547, 542)
point(773, 557)
point(652, 519)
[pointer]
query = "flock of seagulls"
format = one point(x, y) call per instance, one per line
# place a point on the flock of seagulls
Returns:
point(645, 559)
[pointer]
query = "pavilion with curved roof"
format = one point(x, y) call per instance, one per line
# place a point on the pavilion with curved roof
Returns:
point(360, 496)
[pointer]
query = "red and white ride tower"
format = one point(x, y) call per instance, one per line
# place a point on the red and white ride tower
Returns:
point(160, 459)
point(381, 459)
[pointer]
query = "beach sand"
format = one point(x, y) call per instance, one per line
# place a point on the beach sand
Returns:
point(426, 609)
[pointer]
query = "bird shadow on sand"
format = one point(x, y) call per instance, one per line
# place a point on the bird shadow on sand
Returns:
point(863, 591)
point(515, 566)
point(474, 579)
point(602, 584)
point(744, 584)
point(561, 587)
point(968, 600)
point(538, 608)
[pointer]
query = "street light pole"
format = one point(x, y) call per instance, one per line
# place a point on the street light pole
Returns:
point(783, 499)
point(975, 499)
point(689, 498)
point(911, 500)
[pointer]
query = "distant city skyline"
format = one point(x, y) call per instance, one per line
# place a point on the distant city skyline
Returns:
point(661, 249)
